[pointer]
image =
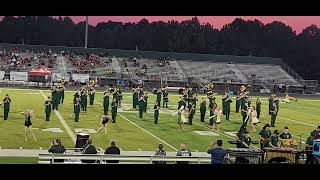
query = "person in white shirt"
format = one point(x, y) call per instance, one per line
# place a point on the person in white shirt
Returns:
point(254, 119)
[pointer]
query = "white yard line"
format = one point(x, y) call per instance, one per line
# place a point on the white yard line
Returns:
point(63, 122)
point(299, 122)
point(301, 112)
point(145, 130)
point(148, 132)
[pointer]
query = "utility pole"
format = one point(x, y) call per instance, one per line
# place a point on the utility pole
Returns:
point(86, 36)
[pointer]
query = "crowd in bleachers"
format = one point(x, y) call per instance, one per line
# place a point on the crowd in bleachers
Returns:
point(163, 61)
point(87, 62)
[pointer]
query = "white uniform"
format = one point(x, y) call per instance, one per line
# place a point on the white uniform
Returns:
point(254, 118)
point(183, 116)
point(219, 114)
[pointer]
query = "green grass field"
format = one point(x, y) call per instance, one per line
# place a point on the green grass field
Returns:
point(133, 133)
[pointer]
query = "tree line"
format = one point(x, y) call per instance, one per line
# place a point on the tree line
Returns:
point(240, 37)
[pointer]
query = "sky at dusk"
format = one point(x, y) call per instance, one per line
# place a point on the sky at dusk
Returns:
point(298, 23)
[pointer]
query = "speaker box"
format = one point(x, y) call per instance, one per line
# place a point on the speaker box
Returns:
point(81, 139)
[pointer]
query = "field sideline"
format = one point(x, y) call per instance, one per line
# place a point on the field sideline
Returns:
point(133, 133)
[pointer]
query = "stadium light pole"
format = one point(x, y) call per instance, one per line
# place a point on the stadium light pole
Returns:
point(86, 36)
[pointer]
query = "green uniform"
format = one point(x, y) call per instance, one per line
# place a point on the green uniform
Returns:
point(266, 135)
point(237, 104)
point(114, 112)
point(106, 104)
point(61, 94)
point(55, 99)
point(258, 108)
point(119, 96)
point(223, 106)
point(191, 114)
point(159, 98)
point(156, 113)
point(202, 110)
point(273, 112)
point(211, 120)
point(247, 141)
point(135, 99)
point(76, 111)
point(91, 96)
point(181, 103)
point(274, 140)
point(242, 103)
point(47, 109)
point(285, 135)
point(6, 107)
point(165, 99)
point(115, 97)
point(84, 101)
point(227, 108)
point(211, 100)
point(270, 105)
point(145, 103)
point(141, 107)
point(244, 115)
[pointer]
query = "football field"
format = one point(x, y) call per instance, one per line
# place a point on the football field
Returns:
point(134, 134)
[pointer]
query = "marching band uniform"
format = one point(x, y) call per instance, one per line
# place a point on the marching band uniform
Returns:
point(145, 97)
point(224, 97)
point(258, 107)
point(141, 106)
point(227, 107)
point(114, 110)
point(135, 97)
point(6, 107)
point(270, 103)
point(76, 110)
point(244, 111)
point(55, 98)
point(191, 114)
point(181, 103)
point(165, 98)
point(48, 107)
point(264, 137)
point(119, 96)
point(84, 100)
point(237, 103)
point(106, 102)
point(159, 97)
point(91, 95)
point(61, 89)
point(274, 113)
point(202, 109)
point(156, 113)
point(212, 109)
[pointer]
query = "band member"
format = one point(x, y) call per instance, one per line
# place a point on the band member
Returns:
point(211, 98)
point(156, 113)
point(309, 148)
point(254, 119)
point(227, 106)
point(76, 95)
point(55, 98)
point(271, 98)
point(224, 97)
point(181, 117)
point(241, 133)
point(258, 109)
point(145, 96)
point(115, 96)
point(274, 113)
point(63, 82)
point(246, 140)
point(140, 92)
point(288, 98)
point(285, 134)
point(28, 126)
point(237, 103)
point(265, 134)
point(159, 97)
point(59, 93)
point(76, 110)
point(84, 100)
point(244, 113)
point(91, 83)
point(106, 102)
point(114, 111)
point(274, 140)
point(61, 90)
point(135, 97)
point(212, 109)
point(181, 102)
point(141, 106)
point(119, 96)
point(104, 123)
point(242, 96)
point(218, 113)
point(91, 95)
point(165, 98)
point(192, 111)
point(6, 106)
point(189, 96)
point(48, 107)
point(194, 100)
point(202, 109)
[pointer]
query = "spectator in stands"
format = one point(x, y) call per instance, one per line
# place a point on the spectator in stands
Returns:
point(88, 148)
point(113, 149)
point(184, 151)
point(57, 147)
point(160, 152)
point(218, 154)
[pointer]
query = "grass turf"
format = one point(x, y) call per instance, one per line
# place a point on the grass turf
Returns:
point(301, 117)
